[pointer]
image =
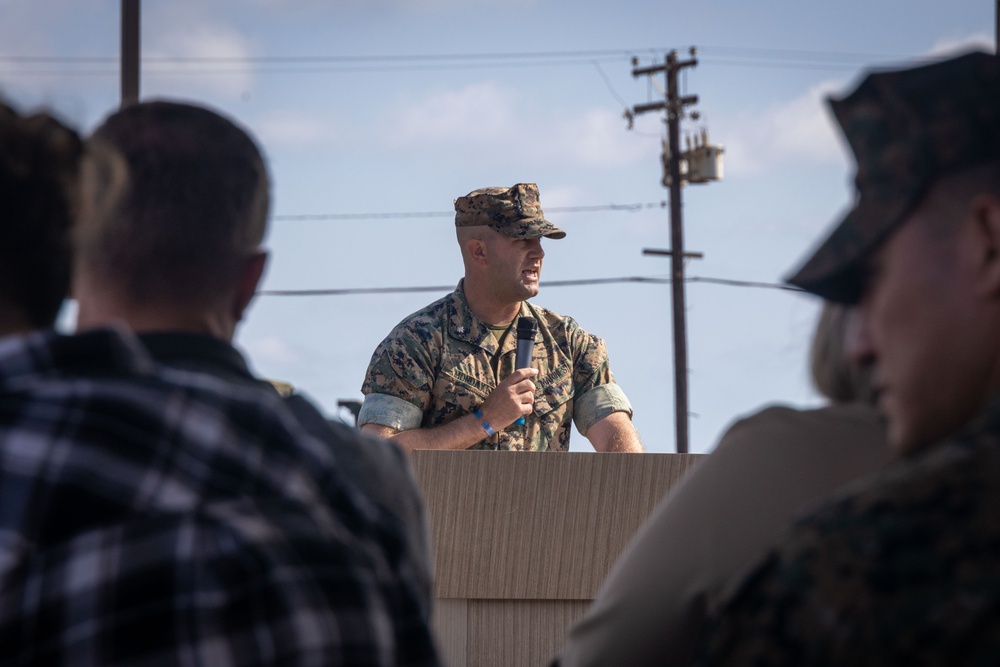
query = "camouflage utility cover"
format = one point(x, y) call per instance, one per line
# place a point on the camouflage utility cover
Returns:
point(907, 129)
point(902, 569)
point(514, 211)
point(438, 360)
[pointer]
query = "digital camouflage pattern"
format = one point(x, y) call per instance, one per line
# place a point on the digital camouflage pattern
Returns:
point(514, 211)
point(907, 129)
point(439, 360)
point(903, 569)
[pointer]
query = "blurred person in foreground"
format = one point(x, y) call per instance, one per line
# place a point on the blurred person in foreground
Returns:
point(154, 516)
point(902, 568)
point(178, 260)
point(767, 468)
point(445, 377)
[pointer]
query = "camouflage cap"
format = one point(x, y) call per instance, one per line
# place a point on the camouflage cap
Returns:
point(907, 129)
point(514, 211)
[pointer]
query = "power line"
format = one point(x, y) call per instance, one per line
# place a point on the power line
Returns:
point(167, 71)
point(653, 280)
point(618, 98)
point(629, 208)
point(586, 55)
point(801, 54)
point(718, 55)
point(723, 62)
point(742, 283)
point(607, 82)
point(335, 59)
point(166, 65)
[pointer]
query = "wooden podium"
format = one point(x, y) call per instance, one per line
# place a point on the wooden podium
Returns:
point(522, 542)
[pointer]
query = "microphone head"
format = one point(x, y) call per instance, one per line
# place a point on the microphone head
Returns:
point(527, 327)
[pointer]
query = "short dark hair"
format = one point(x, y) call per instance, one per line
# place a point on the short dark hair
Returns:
point(193, 207)
point(40, 160)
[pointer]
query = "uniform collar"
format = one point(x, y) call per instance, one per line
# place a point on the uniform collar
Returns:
point(463, 325)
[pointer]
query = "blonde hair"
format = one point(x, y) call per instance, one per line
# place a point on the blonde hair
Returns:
point(833, 374)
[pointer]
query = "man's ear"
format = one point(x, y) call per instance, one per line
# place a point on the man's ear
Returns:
point(476, 249)
point(250, 275)
point(985, 213)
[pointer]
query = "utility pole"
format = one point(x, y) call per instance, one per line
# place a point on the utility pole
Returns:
point(129, 57)
point(674, 105)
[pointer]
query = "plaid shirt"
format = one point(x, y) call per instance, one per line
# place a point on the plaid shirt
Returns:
point(150, 516)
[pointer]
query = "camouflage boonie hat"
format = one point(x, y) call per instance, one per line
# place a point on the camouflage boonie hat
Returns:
point(513, 211)
point(907, 129)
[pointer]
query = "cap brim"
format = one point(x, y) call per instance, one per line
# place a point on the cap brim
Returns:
point(836, 270)
point(537, 228)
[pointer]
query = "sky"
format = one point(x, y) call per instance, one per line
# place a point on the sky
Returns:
point(372, 111)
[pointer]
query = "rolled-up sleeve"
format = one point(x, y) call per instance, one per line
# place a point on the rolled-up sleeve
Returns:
point(597, 404)
point(386, 410)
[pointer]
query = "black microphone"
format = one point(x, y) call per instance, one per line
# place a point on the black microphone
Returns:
point(526, 329)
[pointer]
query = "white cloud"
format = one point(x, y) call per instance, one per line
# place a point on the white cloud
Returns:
point(598, 136)
point(565, 195)
point(168, 66)
point(955, 45)
point(294, 130)
point(798, 131)
point(479, 113)
point(495, 118)
point(271, 350)
point(802, 130)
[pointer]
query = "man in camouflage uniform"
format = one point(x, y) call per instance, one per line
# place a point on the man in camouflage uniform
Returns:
point(444, 378)
point(904, 568)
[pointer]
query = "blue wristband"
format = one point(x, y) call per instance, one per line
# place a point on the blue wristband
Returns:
point(490, 432)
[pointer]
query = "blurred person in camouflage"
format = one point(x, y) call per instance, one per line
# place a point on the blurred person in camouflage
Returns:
point(444, 378)
point(902, 568)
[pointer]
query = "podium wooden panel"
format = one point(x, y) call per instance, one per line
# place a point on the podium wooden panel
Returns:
point(522, 542)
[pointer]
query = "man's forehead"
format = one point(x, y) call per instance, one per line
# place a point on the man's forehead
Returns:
point(912, 244)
